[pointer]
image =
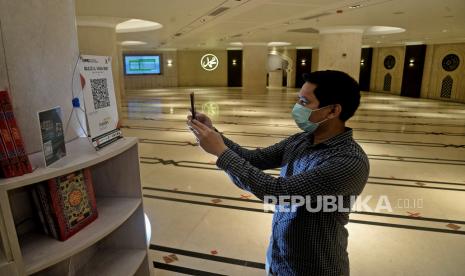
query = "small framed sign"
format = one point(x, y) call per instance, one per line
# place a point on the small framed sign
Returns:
point(52, 133)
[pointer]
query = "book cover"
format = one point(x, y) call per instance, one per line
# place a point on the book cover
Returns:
point(5, 103)
point(9, 146)
point(6, 170)
point(52, 133)
point(73, 202)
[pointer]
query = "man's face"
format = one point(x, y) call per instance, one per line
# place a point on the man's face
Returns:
point(307, 98)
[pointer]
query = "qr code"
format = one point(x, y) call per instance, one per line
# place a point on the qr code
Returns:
point(100, 93)
point(48, 148)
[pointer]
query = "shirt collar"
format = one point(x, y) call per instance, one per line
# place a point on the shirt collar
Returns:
point(346, 135)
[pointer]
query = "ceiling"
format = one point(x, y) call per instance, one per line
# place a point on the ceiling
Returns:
point(192, 24)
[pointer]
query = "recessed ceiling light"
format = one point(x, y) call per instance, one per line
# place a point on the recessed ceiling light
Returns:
point(355, 6)
point(383, 30)
point(133, 43)
point(137, 25)
point(236, 44)
point(279, 43)
point(414, 43)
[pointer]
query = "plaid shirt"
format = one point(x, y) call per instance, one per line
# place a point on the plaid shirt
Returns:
point(303, 242)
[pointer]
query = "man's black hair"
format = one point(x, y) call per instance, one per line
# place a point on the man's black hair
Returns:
point(336, 87)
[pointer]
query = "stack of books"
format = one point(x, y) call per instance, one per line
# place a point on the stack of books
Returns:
point(65, 204)
point(13, 158)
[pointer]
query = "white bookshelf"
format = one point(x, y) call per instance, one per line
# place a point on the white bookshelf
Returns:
point(114, 244)
point(120, 262)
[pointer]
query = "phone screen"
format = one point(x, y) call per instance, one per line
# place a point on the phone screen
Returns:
point(193, 105)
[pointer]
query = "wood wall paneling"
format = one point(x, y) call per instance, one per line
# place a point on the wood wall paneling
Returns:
point(302, 67)
point(234, 68)
point(413, 70)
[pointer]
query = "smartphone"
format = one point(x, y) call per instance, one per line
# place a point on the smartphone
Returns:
point(193, 105)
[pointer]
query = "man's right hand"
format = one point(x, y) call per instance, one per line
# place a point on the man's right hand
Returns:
point(201, 118)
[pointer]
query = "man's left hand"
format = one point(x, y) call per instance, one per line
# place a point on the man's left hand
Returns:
point(209, 140)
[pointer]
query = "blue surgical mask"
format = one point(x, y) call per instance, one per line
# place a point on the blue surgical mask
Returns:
point(301, 115)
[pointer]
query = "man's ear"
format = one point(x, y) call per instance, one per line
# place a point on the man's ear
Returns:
point(335, 111)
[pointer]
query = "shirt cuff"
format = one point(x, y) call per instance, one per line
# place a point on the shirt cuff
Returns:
point(225, 158)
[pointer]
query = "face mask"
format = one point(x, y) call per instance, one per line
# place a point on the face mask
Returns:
point(301, 115)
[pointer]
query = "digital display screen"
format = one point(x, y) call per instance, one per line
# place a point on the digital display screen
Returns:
point(142, 65)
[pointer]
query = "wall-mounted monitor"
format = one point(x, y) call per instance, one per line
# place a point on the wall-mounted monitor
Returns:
point(142, 65)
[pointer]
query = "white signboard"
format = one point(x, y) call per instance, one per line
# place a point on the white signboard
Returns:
point(209, 62)
point(99, 99)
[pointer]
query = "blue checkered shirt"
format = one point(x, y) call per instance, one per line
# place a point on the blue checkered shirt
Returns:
point(303, 242)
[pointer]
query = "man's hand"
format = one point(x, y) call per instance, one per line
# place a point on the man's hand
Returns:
point(201, 118)
point(209, 140)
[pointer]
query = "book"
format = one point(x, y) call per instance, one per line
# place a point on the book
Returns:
point(44, 199)
point(9, 147)
point(73, 202)
point(6, 169)
point(7, 108)
point(39, 209)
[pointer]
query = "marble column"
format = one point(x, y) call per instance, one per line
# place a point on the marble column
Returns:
point(101, 41)
point(315, 54)
point(340, 50)
point(38, 53)
point(254, 67)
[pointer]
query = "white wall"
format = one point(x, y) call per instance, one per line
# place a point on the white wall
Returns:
point(191, 73)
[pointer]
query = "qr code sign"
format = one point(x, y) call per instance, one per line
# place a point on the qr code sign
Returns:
point(100, 93)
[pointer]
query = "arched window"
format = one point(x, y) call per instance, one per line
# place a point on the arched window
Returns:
point(446, 87)
point(387, 82)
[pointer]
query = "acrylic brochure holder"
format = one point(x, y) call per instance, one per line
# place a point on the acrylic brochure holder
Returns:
point(100, 105)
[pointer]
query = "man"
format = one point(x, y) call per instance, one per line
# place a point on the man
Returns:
point(323, 160)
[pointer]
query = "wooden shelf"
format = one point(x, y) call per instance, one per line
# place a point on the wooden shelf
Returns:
point(119, 262)
point(40, 251)
point(80, 154)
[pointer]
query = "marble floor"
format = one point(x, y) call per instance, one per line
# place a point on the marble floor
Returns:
point(204, 225)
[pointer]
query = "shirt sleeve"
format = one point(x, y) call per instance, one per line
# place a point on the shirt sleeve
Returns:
point(263, 159)
point(339, 175)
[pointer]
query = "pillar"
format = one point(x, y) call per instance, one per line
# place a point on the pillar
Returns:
point(291, 56)
point(38, 53)
point(254, 67)
point(101, 41)
point(340, 50)
point(315, 55)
